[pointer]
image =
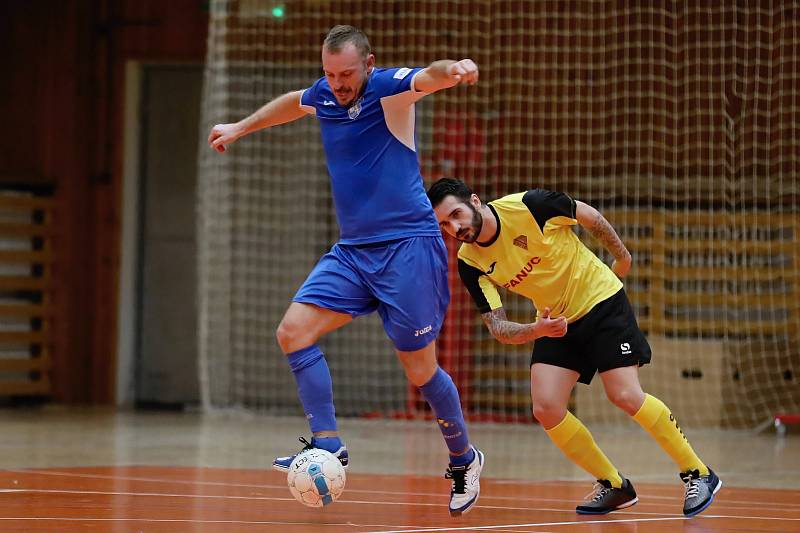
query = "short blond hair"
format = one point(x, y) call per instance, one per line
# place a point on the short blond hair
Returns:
point(342, 34)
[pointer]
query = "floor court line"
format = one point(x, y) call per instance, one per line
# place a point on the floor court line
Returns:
point(560, 524)
point(741, 505)
point(200, 496)
point(193, 521)
point(405, 529)
point(269, 498)
point(568, 502)
point(660, 516)
point(737, 503)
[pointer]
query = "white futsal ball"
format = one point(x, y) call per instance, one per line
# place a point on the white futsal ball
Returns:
point(316, 478)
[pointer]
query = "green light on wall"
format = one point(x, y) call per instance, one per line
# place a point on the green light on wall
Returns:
point(279, 11)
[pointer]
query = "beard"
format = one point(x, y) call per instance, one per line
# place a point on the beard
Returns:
point(347, 97)
point(470, 234)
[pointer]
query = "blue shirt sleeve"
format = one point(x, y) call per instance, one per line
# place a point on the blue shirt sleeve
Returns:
point(309, 96)
point(391, 81)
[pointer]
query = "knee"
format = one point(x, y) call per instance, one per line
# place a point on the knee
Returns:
point(628, 399)
point(291, 337)
point(419, 366)
point(284, 336)
point(419, 374)
point(548, 412)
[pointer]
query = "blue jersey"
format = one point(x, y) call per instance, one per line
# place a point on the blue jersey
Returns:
point(371, 155)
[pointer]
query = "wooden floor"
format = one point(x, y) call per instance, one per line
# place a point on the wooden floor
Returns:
point(65, 470)
point(169, 499)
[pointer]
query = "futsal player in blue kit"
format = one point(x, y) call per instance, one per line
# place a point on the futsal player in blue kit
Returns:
point(390, 256)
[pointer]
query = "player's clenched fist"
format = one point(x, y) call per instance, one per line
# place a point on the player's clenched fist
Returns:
point(464, 71)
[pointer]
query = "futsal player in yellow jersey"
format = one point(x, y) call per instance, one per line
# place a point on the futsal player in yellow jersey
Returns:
point(524, 242)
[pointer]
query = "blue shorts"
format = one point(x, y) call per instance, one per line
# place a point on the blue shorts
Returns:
point(404, 280)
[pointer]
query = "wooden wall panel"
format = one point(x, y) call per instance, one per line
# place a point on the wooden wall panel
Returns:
point(61, 99)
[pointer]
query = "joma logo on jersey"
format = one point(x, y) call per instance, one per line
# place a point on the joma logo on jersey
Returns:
point(523, 273)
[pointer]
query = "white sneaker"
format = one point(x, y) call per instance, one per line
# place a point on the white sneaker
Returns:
point(466, 484)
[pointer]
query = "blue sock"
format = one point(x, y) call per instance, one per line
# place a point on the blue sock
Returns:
point(441, 394)
point(331, 444)
point(314, 387)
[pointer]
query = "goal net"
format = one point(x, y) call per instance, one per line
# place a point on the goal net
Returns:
point(681, 123)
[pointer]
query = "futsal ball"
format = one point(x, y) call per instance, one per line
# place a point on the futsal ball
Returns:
point(316, 478)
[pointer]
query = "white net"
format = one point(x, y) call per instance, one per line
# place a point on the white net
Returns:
point(680, 123)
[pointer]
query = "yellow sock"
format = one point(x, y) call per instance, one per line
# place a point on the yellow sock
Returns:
point(575, 441)
point(657, 420)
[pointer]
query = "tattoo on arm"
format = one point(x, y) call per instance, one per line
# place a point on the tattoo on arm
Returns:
point(603, 232)
point(506, 331)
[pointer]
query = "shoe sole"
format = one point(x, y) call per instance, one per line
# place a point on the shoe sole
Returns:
point(709, 502)
point(630, 503)
point(468, 507)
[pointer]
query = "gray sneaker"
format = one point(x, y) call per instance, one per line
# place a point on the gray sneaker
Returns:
point(605, 498)
point(700, 491)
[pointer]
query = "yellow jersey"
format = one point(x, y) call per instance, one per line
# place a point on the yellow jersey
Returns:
point(536, 253)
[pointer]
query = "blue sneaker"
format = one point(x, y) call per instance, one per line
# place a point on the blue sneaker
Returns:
point(466, 484)
point(700, 491)
point(282, 463)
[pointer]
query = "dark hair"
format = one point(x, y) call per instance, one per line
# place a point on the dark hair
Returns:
point(447, 187)
point(340, 35)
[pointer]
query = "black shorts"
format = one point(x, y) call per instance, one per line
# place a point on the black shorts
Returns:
point(607, 337)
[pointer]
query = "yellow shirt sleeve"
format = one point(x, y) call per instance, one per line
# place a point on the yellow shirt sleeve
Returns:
point(490, 292)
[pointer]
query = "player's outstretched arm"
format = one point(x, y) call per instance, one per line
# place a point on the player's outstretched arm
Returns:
point(596, 224)
point(446, 73)
point(509, 332)
point(281, 110)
